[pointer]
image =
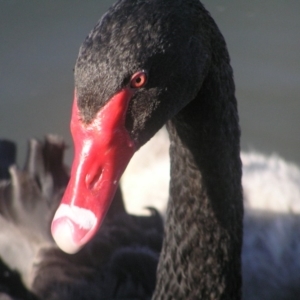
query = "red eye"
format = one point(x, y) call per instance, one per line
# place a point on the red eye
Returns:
point(138, 79)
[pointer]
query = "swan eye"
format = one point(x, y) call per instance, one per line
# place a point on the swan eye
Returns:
point(138, 80)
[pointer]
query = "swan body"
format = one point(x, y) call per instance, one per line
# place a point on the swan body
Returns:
point(270, 250)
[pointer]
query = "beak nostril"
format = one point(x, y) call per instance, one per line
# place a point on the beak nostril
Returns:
point(92, 179)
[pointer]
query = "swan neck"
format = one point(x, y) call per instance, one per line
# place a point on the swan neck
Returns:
point(203, 234)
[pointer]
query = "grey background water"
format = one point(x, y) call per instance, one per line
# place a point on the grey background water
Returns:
point(39, 42)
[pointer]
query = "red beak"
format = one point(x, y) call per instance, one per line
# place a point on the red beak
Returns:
point(103, 149)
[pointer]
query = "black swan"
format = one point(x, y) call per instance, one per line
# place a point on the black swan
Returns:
point(147, 63)
point(119, 263)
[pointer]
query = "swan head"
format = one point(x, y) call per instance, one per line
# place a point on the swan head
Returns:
point(139, 66)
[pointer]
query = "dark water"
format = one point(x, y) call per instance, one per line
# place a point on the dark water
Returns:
point(39, 41)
